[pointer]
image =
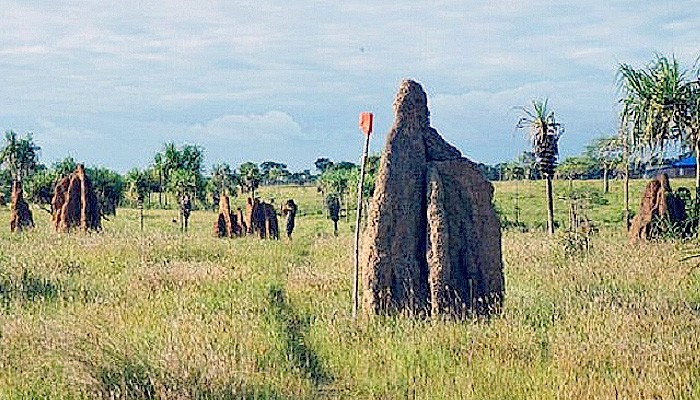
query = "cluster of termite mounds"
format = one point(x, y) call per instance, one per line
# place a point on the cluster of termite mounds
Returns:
point(432, 245)
point(74, 204)
point(259, 220)
point(660, 210)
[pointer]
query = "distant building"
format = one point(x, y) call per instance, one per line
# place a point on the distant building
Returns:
point(683, 168)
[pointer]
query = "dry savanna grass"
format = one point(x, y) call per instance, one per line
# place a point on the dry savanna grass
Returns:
point(161, 314)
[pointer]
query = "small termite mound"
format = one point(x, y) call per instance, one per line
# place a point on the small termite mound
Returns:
point(20, 214)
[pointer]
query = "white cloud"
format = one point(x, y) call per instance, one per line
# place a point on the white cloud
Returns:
point(270, 127)
point(214, 70)
point(54, 134)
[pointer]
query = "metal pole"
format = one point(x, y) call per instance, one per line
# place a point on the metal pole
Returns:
point(356, 285)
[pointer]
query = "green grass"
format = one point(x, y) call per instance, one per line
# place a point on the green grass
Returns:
point(160, 314)
point(605, 210)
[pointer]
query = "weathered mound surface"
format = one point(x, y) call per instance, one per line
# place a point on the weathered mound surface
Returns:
point(271, 223)
point(20, 214)
point(240, 222)
point(226, 224)
point(433, 241)
point(261, 220)
point(659, 211)
point(464, 239)
point(74, 203)
point(249, 215)
point(258, 220)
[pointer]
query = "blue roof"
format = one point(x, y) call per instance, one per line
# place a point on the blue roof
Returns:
point(686, 162)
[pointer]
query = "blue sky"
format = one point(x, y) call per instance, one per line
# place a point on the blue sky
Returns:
point(285, 81)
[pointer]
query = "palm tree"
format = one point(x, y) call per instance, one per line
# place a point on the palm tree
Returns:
point(654, 102)
point(138, 188)
point(223, 179)
point(137, 184)
point(661, 105)
point(250, 177)
point(20, 155)
point(171, 162)
point(182, 182)
point(64, 167)
point(544, 133)
point(691, 123)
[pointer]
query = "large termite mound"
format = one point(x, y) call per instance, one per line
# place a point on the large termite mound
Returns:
point(260, 219)
point(74, 203)
point(227, 223)
point(433, 241)
point(659, 211)
point(20, 214)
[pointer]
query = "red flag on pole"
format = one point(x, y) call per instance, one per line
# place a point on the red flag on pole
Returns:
point(366, 120)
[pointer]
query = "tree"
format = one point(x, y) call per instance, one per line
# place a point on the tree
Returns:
point(691, 125)
point(654, 102)
point(64, 167)
point(336, 181)
point(575, 167)
point(606, 152)
point(171, 159)
point(544, 133)
point(108, 186)
point(138, 185)
point(272, 172)
point(513, 171)
point(170, 162)
point(19, 155)
point(661, 104)
point(528, 162)
point(250, 177)
point(39, 187)
point(188, 158)
point(192, 159)
point(223, 179)
point(490, 172)
point(371, 169)
point(300, 178)
point(347, 165)
point(182, 182)
point(159, 167)
point(322, 164)
point(5, 186)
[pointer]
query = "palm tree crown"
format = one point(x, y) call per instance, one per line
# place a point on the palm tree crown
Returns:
point(544, 134)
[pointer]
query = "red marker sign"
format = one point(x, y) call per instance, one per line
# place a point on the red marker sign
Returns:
point(366, 120)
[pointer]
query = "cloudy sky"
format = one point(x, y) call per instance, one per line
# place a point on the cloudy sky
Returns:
point(285, 80)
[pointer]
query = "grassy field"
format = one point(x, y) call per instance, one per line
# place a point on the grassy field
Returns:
point(160, 314)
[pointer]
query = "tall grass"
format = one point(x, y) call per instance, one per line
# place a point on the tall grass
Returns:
point(162, 314)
